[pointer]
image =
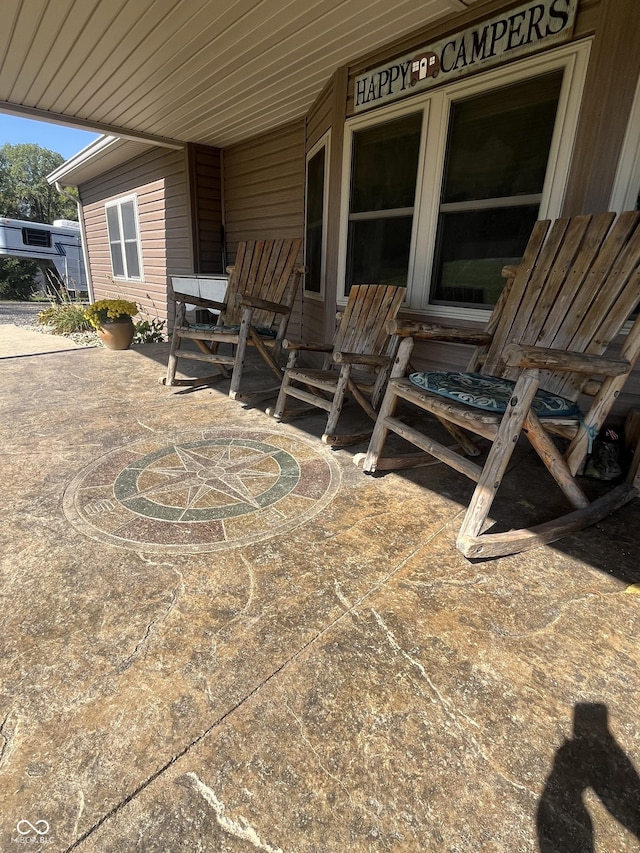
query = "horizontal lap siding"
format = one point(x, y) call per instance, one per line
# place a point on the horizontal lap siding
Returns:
point(264, 193)
point(158, 179)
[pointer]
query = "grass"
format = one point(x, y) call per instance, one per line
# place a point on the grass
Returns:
point(65, 318)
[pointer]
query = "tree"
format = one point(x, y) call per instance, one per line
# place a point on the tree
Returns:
point(17, 278)
point(25, 192)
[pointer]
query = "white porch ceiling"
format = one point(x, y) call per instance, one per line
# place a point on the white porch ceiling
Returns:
point(188, 70)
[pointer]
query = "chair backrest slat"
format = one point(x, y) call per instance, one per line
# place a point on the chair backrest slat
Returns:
point(263, 269)
point(362, 328)
point(576, 286)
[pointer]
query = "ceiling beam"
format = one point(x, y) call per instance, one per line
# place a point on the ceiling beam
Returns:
point(83, 124)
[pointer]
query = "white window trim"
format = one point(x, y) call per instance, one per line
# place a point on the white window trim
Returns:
point(323, 142)
point(435, 104)
point(626, 185)
point(118, 202)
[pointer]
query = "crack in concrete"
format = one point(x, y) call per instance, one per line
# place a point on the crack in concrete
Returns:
point(177, 592)
point(239, 828)
point(7, 733)
point(245, 699)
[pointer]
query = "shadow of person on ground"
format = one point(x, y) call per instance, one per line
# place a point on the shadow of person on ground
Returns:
point(591, 759)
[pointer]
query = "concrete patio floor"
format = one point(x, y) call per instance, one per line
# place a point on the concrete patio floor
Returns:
point(219, 635)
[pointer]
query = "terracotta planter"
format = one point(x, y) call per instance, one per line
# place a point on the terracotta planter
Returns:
point(117, 334)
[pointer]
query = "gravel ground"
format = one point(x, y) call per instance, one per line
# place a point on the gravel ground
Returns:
point(25, 314)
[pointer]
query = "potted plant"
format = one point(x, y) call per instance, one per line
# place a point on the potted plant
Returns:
point(111, 318)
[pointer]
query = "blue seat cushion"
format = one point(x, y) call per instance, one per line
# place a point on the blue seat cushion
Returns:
point(261, 330)
point(490, 393)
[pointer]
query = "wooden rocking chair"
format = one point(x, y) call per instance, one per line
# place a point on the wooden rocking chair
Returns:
point(577, 284)
point(357, 363)
point(259, 299)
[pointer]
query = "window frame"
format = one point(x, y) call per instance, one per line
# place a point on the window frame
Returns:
point(626, 185)
point(118, 204)
point(323, 142)
point(436, 105)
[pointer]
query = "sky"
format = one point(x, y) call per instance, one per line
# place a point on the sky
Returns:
point(66, 141)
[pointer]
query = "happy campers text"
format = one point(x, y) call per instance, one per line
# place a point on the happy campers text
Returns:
point(522, 31)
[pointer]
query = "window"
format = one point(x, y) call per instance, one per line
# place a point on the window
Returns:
point(626, 187)
point(383, 189)
point(441, 190)
point(124, 240)
point(496, 162)
point(36, 237)
point(315, 231)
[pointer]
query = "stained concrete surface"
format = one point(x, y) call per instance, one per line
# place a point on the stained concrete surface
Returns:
point(327, 673)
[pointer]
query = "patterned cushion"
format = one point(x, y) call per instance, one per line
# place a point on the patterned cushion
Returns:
point(490, 393)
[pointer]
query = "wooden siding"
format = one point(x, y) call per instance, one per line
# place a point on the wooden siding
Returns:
point(205, 191)
point(264, 192)
point(158, 179)
point(610, 86)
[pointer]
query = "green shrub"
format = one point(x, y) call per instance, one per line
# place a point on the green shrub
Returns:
point(149, 331)
point(65, 318)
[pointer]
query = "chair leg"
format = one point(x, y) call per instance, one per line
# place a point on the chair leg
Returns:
point(380, 431)
point(241, 350)
point(175, 345)
point(494, 469)
point(554, 462)
point(336, 406)
point(277, 411)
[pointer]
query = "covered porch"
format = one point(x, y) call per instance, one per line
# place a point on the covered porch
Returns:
point(318, 671)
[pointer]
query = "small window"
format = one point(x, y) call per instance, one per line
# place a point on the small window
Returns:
point(315, 213)
point(36, 237)
point(124, 239)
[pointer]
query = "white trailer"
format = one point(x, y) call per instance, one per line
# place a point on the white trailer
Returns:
point(60, 243)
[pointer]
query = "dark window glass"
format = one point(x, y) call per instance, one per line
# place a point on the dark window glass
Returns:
point(116, 260)
point(36, 237)
point(473, 248)
point(379, 251)
point(383, 189)
point(315, 214)
point(497, 153)
point(385, 162)
point(133, 263)
point(128, 221)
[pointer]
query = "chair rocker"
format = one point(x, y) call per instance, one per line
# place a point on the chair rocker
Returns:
point(577, 284)
point(356, 364)
point(259, 299)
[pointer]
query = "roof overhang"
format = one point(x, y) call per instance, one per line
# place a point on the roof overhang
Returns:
point(100, 156)
point(176, 71)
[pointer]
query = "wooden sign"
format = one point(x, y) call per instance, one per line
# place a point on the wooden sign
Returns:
point(523, 30)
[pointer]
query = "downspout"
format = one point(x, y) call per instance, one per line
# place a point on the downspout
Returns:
point(83, 237)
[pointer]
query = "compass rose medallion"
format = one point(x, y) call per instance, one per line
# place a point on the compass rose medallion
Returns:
point(201, 491)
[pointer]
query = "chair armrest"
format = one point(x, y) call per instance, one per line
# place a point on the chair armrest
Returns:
point(264, 304)
point(200, 301)
point(361, 358)
point(431, 332)
point(310, 346)
point(520, 355)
